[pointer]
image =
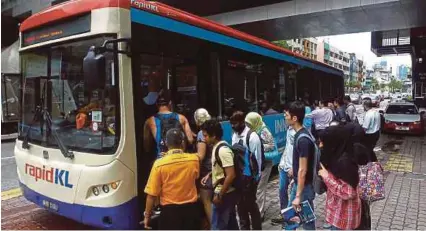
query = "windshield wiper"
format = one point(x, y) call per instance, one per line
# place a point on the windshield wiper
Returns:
point(42, 114)
point(64, 149)
point(45, 115)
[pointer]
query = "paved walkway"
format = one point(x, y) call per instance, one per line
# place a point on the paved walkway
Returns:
point(403, 158)
point(404, 161)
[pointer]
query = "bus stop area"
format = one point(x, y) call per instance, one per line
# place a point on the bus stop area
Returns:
point(403, 158)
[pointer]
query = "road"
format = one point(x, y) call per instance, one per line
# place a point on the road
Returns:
point(9, 176)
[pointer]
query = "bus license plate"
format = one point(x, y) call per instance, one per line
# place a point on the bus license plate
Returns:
point(399, 128)
point(50, 205)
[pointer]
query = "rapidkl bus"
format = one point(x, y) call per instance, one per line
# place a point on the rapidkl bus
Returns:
point(91, 72)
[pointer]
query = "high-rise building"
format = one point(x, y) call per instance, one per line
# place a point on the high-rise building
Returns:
point(334, 57)
point(402, 72)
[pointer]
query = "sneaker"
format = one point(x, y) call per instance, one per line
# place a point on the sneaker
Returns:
point(326, 226)
point(279, 220)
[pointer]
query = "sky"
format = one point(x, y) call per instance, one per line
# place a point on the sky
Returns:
point(360, 44)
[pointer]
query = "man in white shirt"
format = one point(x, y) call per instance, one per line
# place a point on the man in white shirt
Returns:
point(321, 117)
point(248, 210)
point(371, 125)
point(285, 169)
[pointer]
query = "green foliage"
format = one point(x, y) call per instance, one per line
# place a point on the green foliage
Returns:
point(395, 85)
point(282, 43)
point(374, 84)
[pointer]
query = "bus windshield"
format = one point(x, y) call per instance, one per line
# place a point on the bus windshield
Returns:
point(84, 118)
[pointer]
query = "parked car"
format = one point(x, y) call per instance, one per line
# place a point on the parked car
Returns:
point(355, 98)
point(402, 117)
point(375, 99)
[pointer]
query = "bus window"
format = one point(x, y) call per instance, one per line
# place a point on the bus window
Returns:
point(239, 92)
point(84, 117)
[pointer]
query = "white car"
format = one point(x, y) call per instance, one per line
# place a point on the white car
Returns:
point(402, 117)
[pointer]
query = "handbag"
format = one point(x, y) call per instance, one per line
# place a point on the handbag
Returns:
point(371, 182)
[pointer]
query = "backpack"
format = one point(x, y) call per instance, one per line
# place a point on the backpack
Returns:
point(245, 165)
point(165, 122)
point(261, 145)
point(317, 181)
point(356, 118)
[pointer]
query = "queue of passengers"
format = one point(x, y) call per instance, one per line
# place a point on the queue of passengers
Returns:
point(230, 180)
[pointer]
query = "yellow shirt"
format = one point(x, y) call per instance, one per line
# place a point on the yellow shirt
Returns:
point(173, 177)
point(227, 157)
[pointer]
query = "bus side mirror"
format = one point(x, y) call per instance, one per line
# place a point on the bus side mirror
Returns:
point(94, 69)
point(381, 112)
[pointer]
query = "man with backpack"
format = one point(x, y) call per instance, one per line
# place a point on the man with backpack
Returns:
point(304, 158)
point(223, 175)
point(248, 142)
point(350, 109)
point(157, 126)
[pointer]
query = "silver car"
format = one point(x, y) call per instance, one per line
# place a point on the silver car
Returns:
point(402, 117)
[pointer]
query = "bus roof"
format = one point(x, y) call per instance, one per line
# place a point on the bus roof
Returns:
point(78, 7)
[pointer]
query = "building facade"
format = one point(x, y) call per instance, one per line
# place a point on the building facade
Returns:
point(402, 72)
point(306, 46)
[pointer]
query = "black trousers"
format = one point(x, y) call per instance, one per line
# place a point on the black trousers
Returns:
point(180, 217)
point(248, 211)
point(370, 142)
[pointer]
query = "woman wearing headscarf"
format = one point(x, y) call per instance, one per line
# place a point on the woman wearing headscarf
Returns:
point(255, 122)
point(339, 171)
point(201, 115)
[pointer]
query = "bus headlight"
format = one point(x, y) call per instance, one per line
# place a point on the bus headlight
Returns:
point(105, 188)
point(95, 191)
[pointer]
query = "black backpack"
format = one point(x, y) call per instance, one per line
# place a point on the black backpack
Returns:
point(167, 122)
point(245, 165)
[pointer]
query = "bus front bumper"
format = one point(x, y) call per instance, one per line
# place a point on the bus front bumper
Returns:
point(124, 216)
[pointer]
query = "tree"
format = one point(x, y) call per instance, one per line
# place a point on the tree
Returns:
point(395, 85)
point(383, 86)
point(374, 84)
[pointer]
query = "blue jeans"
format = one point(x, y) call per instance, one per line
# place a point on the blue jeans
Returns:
point(283, 189)
point(224, 216)
point(309, 195)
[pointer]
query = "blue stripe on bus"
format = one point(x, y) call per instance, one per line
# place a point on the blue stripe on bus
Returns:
point(124, 216)
point(153, 20)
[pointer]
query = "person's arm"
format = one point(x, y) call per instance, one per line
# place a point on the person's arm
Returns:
point(152, 189)
point(227, 158)
point(150, 200)
point(336, 186)
point(230, 176)
point(147, 134)
point(367, 121)
point(301, 175)
point(304, 149)
point(201, 150)
point(312, 115)
point(187, 129)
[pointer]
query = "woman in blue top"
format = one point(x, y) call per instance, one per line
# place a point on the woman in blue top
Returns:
point(272, 156)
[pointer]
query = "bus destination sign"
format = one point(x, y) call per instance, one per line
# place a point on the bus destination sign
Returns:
point(70, 27)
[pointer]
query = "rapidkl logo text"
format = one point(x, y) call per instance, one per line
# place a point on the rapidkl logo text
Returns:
point(52, 175)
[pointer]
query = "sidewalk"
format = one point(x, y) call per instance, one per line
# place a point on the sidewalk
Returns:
point(404, 161)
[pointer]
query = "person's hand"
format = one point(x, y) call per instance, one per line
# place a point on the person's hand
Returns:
point(216, 199)
point(146, 221)
point(290, 173)
point(205, 179)
point(162, 154)
point(296, 204)
point(323, 172)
